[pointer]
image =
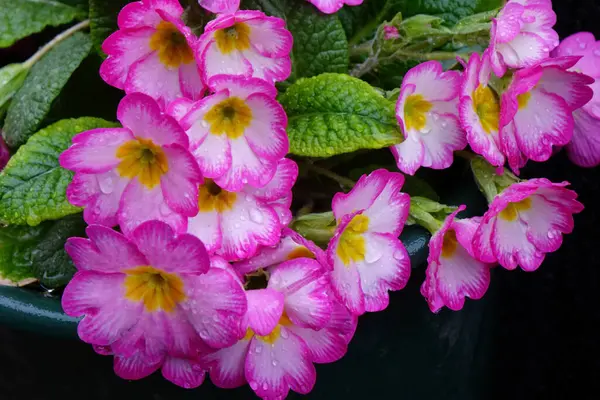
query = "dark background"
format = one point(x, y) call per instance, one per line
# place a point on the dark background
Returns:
point(534, 336)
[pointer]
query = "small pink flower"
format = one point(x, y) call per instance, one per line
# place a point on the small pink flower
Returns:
point(220, 6)
point(367, 257)
point(152, 296)
point(237, 135)
point(331, 6)
point(234, 224)
point(479, 110)
point(522, 35)
point(152, 53)
point(584, 149)
point(390, 32)
point(453, 272)
point(537, 109)
point(4, 153)
point(524, 222)
point(133, 174)
point(245, 43)
point(427, 111)
point(291, 324)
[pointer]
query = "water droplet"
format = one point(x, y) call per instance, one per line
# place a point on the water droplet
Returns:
point(284, 333)
point(258, 348)
point(597, 52)
point(204, 123)
point(205, 320)
point(236, 225)
point(203, 333)
point(275, 363)
point(346, 286)
point(373, 256)
point(242, 217)
point(399, 255)
point(165, 210)
point(582, 46)
point(265, 386)
point(244, 181)
point(253, 385)
point(107, 184)
point(216, 318)
point(256, 216)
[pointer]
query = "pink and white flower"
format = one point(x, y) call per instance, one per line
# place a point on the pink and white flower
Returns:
point(367, 257)
point(479, 110)
point(537, 109)
point(522, 35)
point(152, 53)
point(331, 6)
point(133, 174)
point(291, 324)
point(245, 43)
point(152, 296)
point(234, 224)
point(584, 149)
point(220, 6)
point(453, 273)
point(524, 222)
point(237, 135)
point(427, 111)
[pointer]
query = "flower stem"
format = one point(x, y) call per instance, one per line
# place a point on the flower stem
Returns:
point(59, 38)
point(343, 181)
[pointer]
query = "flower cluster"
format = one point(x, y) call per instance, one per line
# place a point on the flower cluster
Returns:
point(205, 277)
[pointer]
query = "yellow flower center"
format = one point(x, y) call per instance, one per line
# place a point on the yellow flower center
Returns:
point(144, 159)
point(352, 246)
point(173, 49)
point(415, 110)
point(450, 244)
point(523, 99)
point(230, 117)
point(487, 108)
point(236, 37)
point(511, 211)
point(158, 290)
point(213, 198)
point(272, 337)
point(300, 252)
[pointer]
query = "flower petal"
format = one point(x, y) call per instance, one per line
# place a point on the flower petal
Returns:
point(265, 307)
point(206, 226)
point(226, 366)
point(180, 183)
point(584, 148)
point(266, 133)
point(182, 372)
point(124, 48)
point(135, 367)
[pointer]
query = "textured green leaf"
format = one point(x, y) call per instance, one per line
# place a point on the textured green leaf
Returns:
point(21, 18)
point(38, 252)
point(320, 43)
point(43, 84)
point(103, 20)
point(360, 22)
point(33, 185)
point(333, 113)
point(11, 79)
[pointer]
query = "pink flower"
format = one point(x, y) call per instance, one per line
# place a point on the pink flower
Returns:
point(522, 35)
point(133, 174)
point(427, 111)
point(479, 110)
point(453, 272)
point(390, 32)
point(151, 296)
point(221, 6)
point(4, 153)
point(234, 224)
point(524, 222)
point(291, 324)
point(245, 43)
point(331, 6)
point(537, 109)
point(584, 149)
point(367, 257)
point(237, 135)
point(152, 53)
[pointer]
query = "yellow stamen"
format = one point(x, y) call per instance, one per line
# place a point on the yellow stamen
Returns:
point(487, 108)
point(511, 211)
point(230, 117)
point(300, 252)
point(236, 37)
point(276, 332)
point(158, 290)
point(144, 159)
point(523, 99)
point(450, 244)
point(173, 49)
point(351, 247)
point(212, 198)
point(415, 110)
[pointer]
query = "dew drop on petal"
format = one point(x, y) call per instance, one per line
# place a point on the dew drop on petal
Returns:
point(258, 348)
point(107, 184)
point(203, 333)
point(373, 256)
point(597, 52)
point(275, 363)
point(265, 386)
point(253, 385)
point(256, 216)
point(236, 225)
point(399, 255)
point(582, 46)
point(284, 334)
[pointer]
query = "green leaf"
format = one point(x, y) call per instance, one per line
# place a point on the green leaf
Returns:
point(103, 20)
point(33, 185)
point(318, 227)
point(11, 79)
point(21, 18)
point(360, 22)
point(38, 252)
point(320, 43)
point(333, 114)
point(43, 84)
